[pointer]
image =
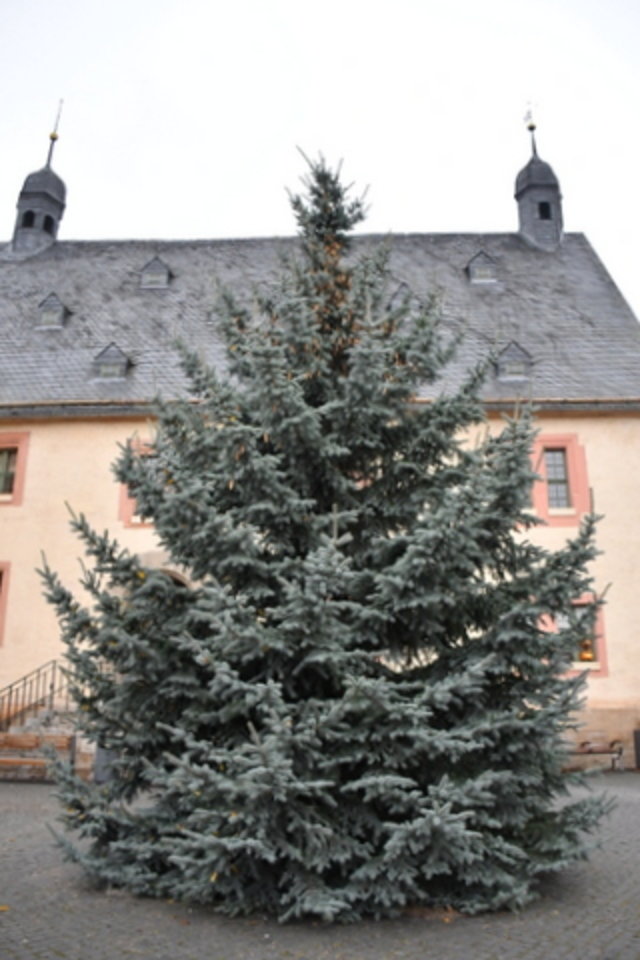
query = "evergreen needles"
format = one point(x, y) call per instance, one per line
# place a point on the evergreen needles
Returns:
point(353, 704)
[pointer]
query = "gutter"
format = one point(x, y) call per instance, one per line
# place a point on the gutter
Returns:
point(115, 409)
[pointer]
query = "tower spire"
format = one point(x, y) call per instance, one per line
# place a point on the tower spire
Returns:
point(531, 127)
point(53, 136)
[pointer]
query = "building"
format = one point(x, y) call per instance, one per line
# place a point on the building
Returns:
point(87, 334)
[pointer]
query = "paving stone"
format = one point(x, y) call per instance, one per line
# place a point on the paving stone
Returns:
point(591, 912)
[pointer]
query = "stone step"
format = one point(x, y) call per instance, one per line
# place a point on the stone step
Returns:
point(9, 762)
point(23, 755)
point(35, 741)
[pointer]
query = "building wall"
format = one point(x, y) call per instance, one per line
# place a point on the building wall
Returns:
point(611, 445)
point(70, 462)
point(67, 462)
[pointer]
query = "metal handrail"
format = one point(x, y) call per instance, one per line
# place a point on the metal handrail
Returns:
point(47, 687)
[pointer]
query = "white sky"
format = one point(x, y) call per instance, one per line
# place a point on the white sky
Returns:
point(182, 117)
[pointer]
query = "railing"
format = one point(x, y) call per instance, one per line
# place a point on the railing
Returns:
point(46, 688)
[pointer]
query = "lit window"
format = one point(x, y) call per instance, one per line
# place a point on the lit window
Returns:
point(588, 652)
point(591, 652)
point(588, 649)
point(561, 495)
point(13, 453)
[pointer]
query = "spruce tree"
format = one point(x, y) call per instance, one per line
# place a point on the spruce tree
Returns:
point(353, 704)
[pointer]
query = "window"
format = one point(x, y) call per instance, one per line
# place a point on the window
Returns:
point(513, 370)
point(561, 495)
point(482, 268)
point(555, 462)
point(28, 218)
point(8, 463)
point(13, 453)
point(589, 651)
point(591, 654)
point(106, 371)
point(544, 210)
point(155, 275)
point(52, 312)
point(111, 364)
point(128, 508)
point(514, 363)
point(403, 298)
point(4, 592)
point(48, 224)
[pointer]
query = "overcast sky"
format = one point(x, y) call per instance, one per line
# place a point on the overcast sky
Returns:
point(181, 118)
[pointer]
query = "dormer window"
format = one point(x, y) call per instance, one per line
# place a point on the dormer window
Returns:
point(482, 268)
point(111, 364)
point(52, 313)
point(155, 275)
point(28, 218)
point(404, 297)
point(514, 363)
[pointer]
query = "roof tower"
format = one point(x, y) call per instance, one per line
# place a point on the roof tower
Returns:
point(539, 201)
point(40, 205)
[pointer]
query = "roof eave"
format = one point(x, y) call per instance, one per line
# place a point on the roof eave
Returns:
point(131, 409)
point(592, 405)
point(77, 409)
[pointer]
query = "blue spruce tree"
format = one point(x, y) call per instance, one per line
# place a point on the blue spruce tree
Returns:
point(352, 705)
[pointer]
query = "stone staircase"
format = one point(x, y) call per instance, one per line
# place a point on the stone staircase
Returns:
point(43, 689)
point(37, 726)
point(28, 756)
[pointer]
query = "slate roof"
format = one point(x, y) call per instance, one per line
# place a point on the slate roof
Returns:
point(562, 309)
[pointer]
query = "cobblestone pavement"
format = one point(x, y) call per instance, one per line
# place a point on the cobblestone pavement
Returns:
point(49, 912)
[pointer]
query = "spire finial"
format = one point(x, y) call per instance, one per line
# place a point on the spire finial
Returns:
point(531, 127)
point(53, 136)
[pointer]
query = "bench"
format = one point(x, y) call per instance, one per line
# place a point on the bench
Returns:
point(597, 744)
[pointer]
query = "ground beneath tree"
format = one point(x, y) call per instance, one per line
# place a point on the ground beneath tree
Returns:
point(48, 911)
